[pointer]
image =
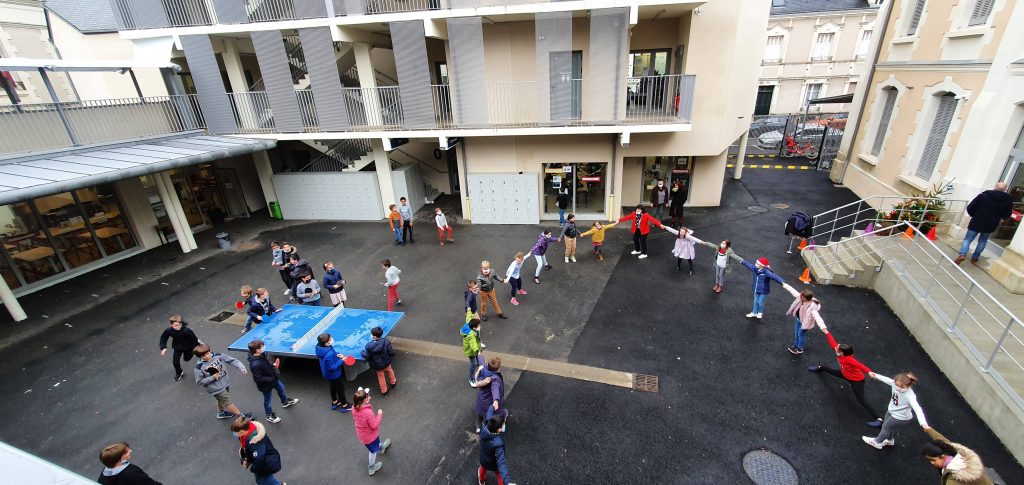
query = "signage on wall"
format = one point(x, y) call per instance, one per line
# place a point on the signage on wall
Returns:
point(567, 168)
point(682, 171)
point(592, 178)
point(556, 181)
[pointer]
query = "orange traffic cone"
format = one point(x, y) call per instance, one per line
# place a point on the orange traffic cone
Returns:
point(806, 277)
point(909, 233)
point(931, 234)
point(803, 244)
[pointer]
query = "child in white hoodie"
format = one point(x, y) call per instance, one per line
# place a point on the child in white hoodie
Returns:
point(391, 274)
point(903, 407)
point(442, 226)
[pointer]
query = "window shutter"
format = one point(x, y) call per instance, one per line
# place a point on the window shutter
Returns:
point(936, 136)
point(915, 18)
point(883, 121)
point(981, 12)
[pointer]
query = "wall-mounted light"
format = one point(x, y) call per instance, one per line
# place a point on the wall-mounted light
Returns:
point(697, 11)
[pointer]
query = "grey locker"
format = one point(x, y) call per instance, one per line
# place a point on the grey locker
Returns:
point(502, 198)
point(302, 196)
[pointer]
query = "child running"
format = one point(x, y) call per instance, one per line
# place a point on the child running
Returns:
point(902, 407)
point(763, 276)
point(684, 247)
point(331, 368)
point(183, 341)
point(805, 309)
point(442, 226)
point(265, 375)
point(569, 234)
point(512, 276)
point(392, 281)
point(486, 279)
point(368, 427)
point(723, 257)
point(597, 241)
point(853, 372)
point(538, 250)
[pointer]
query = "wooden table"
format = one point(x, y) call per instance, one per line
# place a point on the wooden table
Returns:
point(107, 233)
point(35, 254)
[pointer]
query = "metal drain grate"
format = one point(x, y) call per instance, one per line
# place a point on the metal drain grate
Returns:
point(779, 206)
point(756, 208)
point(645, 383)
point(220, 317)
point(766, 468)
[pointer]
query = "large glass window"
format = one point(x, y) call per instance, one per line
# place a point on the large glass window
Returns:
point(669, 169)
point(583, 184)
point(1013, 175)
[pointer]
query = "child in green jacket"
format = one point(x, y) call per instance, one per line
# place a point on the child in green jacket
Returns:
point(472, 347)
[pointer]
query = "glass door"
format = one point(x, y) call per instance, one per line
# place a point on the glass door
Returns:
point(1013, 175)
point(234, 199)
point(189, 202)
point(584, 184)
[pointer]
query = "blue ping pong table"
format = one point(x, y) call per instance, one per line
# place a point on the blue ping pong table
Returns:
point(292, 331)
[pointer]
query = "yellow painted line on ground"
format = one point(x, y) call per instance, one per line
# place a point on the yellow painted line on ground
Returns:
point(543, 366)
point(791, 167)
point(805, 168)
point(751, 166)
point(778, 166)
point(728, 165)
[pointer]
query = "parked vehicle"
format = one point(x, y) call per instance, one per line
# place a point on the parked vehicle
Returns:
point(806, 133)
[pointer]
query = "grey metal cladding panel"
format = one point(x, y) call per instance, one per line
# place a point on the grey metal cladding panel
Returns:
point(339, 7)
point(554, 41)
point(469, 96)
point(354, 7)
point(608, 53)
point(149, 14)
point(120, 14)
point(202, 63)
point(277, 76)
point(318, 48)
point(309, 9)
point(231, 11)
point(410, 47)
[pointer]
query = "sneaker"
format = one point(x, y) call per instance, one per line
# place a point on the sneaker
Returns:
point(521, 292)
point(875, 424)
point(600, 257)
point(572, 258)
point(478, 432)
point(451, 240)
point(536, 280)
point(634, 252)
point(344, 408)
point(751, 315)
point(515, 301)
point(974, 260)
point(483, 318)
point(871, 441)
point(483, 345)
point(960, 259)
point(178, 376)
point(247, 415)
point(288, 292)
point(399, 302)
point(889, 442)
point(442, 243)
point(714, 288)
point(814, 368)
point(502, 316)
point(273, 418)
point(384, 393)
point(642, 256)
point(224, 415)
point(795, 351)
point(384, 446)
point(548, 266)
point(566, 260)
point(472, 383)
point(691, 273)
point(760, 316)
point(289, 403)
point(374, 467)
point(335, 406)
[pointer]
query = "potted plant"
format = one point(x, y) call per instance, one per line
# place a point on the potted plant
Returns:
point(922, 211)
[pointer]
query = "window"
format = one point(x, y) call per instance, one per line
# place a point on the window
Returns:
point(915, 16)
point(823, 47)
point(936, 136)
point(813, 91)
point(889, 96)
point(982, 11)
point(851, 88)
point(773, 52)
point(863, 44)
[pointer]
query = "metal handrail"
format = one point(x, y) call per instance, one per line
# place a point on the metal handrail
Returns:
point(940, 270)
point(864, 206)
point(339, 156)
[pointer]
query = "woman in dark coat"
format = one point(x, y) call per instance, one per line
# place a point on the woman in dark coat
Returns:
point(676, 201)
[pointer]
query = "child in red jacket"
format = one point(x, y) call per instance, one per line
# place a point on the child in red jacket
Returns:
point(853, 371)
point(641, 228)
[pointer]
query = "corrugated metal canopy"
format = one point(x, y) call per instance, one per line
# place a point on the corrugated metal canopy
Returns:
point(84, 65)
point(36, 175)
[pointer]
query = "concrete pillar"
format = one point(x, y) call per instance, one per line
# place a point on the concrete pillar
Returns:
point(179, 211)
point(168, 196)
point(368, 81)
point(266, 175)
point(383, 166)
point(138, 211)
point(11, 302)
point(741, 156)
point(236, 78)
point(708, 175)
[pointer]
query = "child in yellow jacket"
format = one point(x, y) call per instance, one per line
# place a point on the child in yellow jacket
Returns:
point(395, 222)
point(597, 231)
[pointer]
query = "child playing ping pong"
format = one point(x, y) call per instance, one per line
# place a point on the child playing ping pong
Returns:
point(330, 367)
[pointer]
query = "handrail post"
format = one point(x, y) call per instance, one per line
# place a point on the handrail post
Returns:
point(999, 345)
point(928, 290)
point(60, 109)
point(962, 305)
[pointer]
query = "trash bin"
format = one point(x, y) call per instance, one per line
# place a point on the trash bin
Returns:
point(223, 240)
point(275, 210)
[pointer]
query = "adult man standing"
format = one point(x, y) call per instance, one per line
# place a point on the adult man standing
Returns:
point(986, 210)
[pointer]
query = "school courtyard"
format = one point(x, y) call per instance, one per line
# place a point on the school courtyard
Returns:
point(84, 370)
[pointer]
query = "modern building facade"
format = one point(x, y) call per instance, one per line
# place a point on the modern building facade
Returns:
point(945, 104)
point(814, 49)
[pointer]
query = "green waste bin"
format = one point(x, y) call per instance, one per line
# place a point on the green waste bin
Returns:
point(275, 210)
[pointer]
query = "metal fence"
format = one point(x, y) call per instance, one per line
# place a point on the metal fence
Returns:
point(813, 137)
point(877, 210)
point(659, 99)
point(990, 332)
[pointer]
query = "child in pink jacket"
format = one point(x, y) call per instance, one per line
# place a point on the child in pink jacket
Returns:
point(806, 310)
point(368, 427)
point(684, 247)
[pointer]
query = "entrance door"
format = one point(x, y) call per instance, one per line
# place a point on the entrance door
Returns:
point(234, 199)
point(763, 104)
point(453, 170)
point(584, 183)
point(1013, 175)
point(189, 202)
point(566, 84)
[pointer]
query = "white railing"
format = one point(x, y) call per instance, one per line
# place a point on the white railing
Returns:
point(991, 333)
point(374, 108)
point(840, 222)
point(659, 99)
point(269, 10)
point(512, 104)
point(41, 126)
point(442, 96)
point(252, 112)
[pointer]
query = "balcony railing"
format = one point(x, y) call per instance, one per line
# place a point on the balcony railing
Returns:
point(660, 99)
point(44, 126)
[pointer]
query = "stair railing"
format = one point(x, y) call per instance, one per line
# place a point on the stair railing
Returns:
point(842, 221)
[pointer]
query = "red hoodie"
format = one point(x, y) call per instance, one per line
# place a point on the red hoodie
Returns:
point(852, 369)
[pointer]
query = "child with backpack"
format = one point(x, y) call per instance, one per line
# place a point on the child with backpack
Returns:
point(378, 354)
point(597, 241)
point(538, 250)
point(799, 225)
point(265, 375)
point(805, 309)
point(683, 248)
point(368, 427)
point(183, 341)
point(331, 363)
point(472, 347)
point(763, 276)
point(257, 451)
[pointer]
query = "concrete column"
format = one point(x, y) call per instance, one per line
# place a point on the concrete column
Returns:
point(383, 165)
point(368, 81)
point(138, 211)
point(266, 175)
point(168, 196)
point(11, 302)
point(741, 156)
point(708, 175)
point(179, 212)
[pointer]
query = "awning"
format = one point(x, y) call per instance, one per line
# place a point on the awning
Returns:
point(40, 174)
point(89, 65)
point(841, 99)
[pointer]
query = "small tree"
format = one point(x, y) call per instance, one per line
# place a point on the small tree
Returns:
point(924, 211)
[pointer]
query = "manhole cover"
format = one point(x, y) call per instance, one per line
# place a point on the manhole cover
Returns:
point(644, 382)
point(779, 206)
point(756, 208)
point(220, 317)
point(767, 468)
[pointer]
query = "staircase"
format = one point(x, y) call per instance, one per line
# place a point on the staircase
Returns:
point(340, 155)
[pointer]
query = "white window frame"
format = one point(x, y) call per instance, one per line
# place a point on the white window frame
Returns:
point(807, 91)
point(863, 47)
point(925, 118)
point(826, 28)
point(992, 6)
point(778, 57)
point(779, 30)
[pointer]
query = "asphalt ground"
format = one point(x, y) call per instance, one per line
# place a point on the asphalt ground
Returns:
point(727, 384)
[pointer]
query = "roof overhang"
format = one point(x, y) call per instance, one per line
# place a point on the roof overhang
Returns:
point(90, 65)
point(840, 99)
point(40, 174)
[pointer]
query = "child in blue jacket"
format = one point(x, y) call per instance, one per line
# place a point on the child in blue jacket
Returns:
point(492, 448)
point(331, 367)
point(763, 276)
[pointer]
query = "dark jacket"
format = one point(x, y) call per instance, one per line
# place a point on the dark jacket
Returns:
point(256, 309)
point(762, 278)
point(259, 451)
point(330, 364)
point(301, 268)
point(130, 475)
point(654, 195)
point(494, 391)
point(332, 278)
point(263, 372)
point(677, 201)
point(562, 201)
point(471, 301)
point(492, 450)
point(987, 209)
point(378, 353)
point(184, 339)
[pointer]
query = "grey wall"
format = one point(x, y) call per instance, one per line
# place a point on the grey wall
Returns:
point(302, 196)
